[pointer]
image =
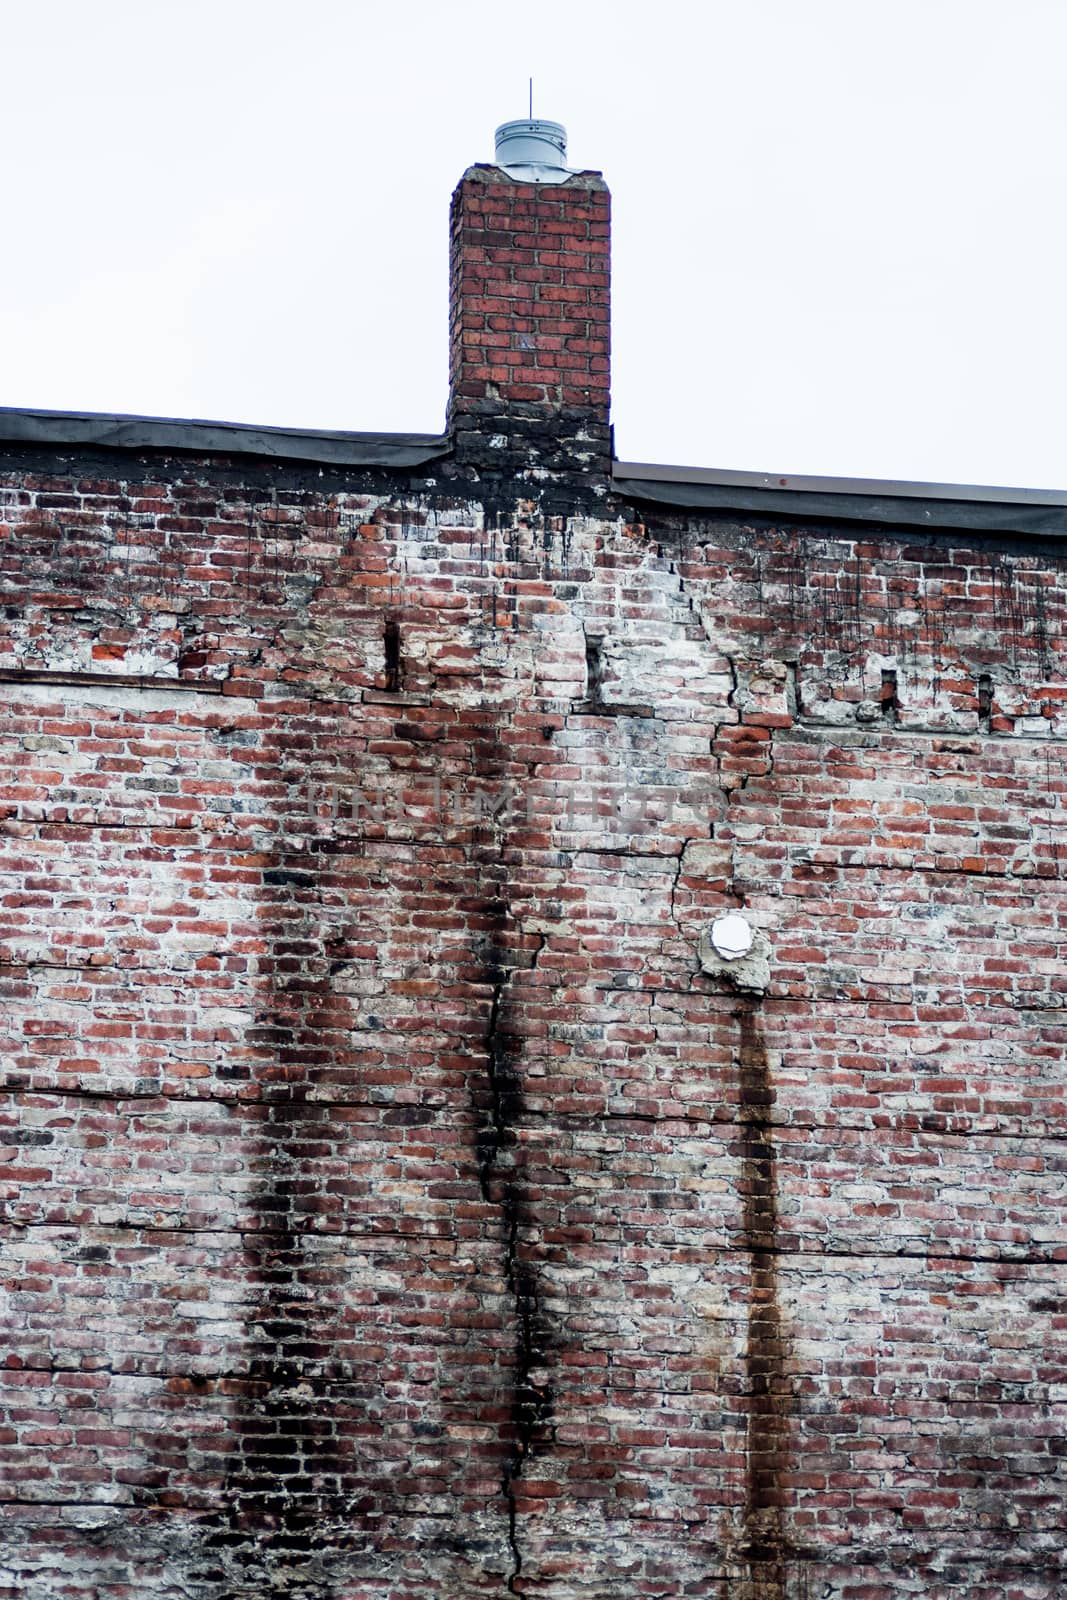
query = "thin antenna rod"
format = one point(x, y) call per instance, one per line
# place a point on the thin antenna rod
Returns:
point(531, 99)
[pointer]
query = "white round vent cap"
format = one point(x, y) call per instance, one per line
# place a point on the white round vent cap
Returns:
point(731, 936)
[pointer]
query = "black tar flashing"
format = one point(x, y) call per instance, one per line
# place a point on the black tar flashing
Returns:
point(117, 432)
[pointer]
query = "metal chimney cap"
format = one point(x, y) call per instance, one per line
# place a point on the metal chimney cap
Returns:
point(533, 150)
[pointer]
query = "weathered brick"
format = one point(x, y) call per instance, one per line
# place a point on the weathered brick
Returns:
point(394, 1205)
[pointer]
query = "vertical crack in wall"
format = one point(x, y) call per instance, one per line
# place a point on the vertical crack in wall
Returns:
point(505, 951)
point(531, 1408)
point(763, 1548)
point(766, 1380)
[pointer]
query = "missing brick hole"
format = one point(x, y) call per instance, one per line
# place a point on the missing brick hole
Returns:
point(393, 671)
point(985, 700)
point(795, 697)
point(889, 699)
point(594, 667)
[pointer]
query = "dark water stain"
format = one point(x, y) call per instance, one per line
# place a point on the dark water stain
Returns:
point(532, 1403)
point(766, 1442)
point(287, 1466)
point(501, 953)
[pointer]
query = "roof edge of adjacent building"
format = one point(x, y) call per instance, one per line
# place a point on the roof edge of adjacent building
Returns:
point(120, 431)
point(971, 508)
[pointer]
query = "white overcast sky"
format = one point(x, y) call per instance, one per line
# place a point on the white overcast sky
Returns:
point(840, 240)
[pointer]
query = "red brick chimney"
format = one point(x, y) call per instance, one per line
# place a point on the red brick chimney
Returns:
point(530, 303)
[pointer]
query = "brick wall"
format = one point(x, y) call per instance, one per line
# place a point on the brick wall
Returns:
point(399, 1197)
point(394, 1204)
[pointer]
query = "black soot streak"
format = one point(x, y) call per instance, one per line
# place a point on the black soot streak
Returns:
point(765, 1351)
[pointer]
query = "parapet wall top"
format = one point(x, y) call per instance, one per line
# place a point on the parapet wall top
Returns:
point(533, 151)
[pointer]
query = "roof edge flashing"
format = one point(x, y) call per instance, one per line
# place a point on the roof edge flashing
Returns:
point(898, 512)
point(802, 483)
point(124, 431)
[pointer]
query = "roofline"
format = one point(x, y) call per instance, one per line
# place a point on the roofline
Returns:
point(803, 483)
point(898, 503)
point(118, 431)
point(933, 506)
